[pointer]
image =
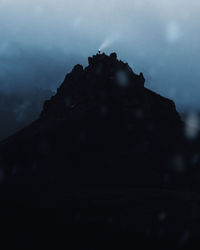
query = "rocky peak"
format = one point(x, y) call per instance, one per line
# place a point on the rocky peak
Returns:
point(110, 67)
point(104, 77)
point(104, 125)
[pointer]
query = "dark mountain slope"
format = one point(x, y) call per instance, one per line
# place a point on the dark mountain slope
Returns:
point(104, 118)
point(20, 109)
point(103, 147)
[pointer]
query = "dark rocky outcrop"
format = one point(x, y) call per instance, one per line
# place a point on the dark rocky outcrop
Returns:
point(103, 130)
point(101, 120)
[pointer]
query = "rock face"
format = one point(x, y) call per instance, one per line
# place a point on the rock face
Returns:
point(103, 129)
point(105, 78)
point(102, 126)
point(102, 123)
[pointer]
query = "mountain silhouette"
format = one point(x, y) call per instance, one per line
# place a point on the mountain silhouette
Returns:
point(102, 134)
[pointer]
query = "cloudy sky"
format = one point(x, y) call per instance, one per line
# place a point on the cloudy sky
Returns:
point(41, 40)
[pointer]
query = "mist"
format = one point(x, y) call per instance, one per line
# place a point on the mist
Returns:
point(42, 40)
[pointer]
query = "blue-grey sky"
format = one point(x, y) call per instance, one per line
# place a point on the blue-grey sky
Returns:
point(41, 40)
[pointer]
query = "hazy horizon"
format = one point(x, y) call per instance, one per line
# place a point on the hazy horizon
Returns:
point(42, 40)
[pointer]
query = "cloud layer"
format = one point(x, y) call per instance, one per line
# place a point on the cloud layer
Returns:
point(42, 39)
